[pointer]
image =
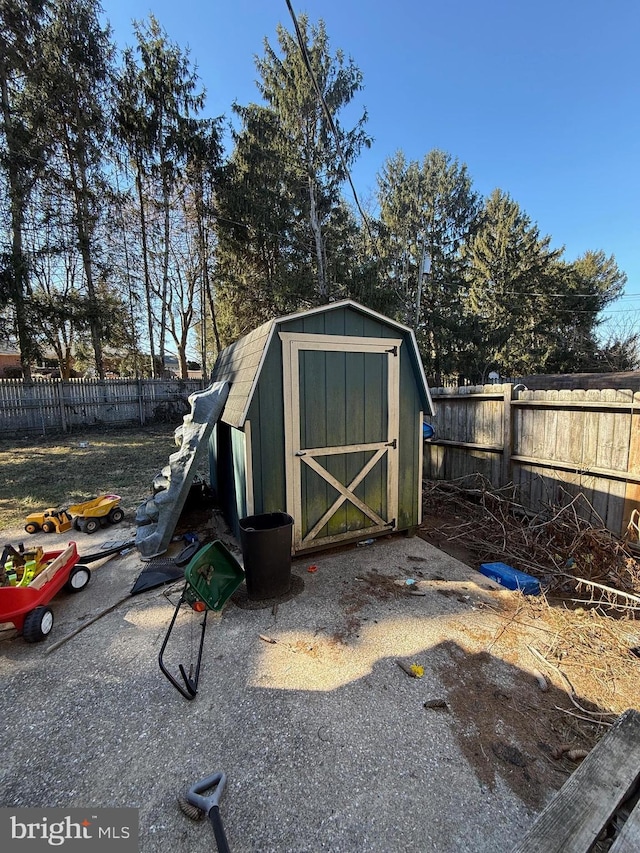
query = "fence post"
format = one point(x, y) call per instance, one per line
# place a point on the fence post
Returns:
point(63, 419)
point(632, 491)
point(507, 435)
point(141, 401)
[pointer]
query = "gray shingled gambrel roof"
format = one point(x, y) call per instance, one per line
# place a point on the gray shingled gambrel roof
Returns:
point(240, 363)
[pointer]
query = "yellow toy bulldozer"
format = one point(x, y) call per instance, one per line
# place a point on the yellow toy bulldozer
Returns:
point(49, 520)
point(86, 517)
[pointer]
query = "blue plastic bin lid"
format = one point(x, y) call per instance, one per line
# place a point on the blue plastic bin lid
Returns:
point(511, 578)
point(428, 431)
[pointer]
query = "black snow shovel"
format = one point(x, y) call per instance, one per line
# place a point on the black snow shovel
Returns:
point(195, 805)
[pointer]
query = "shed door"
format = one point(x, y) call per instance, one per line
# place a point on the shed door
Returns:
point(341, 435)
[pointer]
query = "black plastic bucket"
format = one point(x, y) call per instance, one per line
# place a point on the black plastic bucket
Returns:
point(266, 550)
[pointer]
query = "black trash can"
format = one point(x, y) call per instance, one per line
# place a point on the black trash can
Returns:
point(266, 549)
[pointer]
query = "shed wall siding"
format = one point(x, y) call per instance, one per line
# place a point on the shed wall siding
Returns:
point(343, 321)
point(266, 414)
point(238, 450)
point(222, 473)
point(409, 443)
point(228, 472)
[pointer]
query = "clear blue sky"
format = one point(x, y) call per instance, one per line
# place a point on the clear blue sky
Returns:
point(539, 99)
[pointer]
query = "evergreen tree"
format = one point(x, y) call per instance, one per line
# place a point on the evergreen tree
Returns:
point(262, 260)
point(427, 212)
point(509, 268)
point(317, 157)
point(581, 291)
point(77, 64)
point(164, 97)
point(22, 139)
point(536, 313)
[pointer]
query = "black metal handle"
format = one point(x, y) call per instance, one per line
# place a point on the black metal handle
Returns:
point(218, 830)
point(190, 684)
point(211, 805)
point(108, 552)
point(217, 781)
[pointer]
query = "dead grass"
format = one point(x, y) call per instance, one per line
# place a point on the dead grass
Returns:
point(36, 473)
point(594, 655)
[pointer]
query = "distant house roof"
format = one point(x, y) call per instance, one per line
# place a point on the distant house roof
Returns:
point(9, 356)
point(241, 362)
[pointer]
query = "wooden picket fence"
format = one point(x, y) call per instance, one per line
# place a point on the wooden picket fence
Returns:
point(48, 406)
point(551, 445)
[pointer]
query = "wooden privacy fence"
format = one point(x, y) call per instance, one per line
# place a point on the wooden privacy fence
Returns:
point(551, 445)
point(54, 405)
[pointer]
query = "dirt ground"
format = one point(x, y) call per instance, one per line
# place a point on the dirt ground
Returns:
point(587, 657)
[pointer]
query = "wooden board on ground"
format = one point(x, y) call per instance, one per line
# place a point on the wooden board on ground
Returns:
point(587, 801)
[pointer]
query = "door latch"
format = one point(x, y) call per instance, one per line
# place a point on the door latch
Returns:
point(393, 444)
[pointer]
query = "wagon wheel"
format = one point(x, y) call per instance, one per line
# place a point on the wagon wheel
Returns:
point(79, 577)
point(91, 525)
point(37, 624)
point(32, 527)
point(48, 527)
point(115, 515)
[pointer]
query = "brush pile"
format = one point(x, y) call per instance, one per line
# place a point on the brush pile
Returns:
point(567, 547)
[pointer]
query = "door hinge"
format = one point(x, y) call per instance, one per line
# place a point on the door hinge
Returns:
point(301, 453)
point(393, 444)
point(391, 523)
point(393, 350)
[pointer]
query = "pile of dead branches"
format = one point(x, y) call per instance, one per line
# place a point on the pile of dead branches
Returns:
point(567, 547)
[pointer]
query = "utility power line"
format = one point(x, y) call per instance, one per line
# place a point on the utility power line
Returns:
point(566, 295)
point(327, 112)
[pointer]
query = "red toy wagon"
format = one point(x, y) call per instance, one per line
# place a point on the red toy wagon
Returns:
point(25, 603)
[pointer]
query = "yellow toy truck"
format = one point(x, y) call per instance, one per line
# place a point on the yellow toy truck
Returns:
point(86, 517)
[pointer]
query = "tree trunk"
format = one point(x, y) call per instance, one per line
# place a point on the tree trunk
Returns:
point(84, 229)
point(182, 360)
point(203, 328)
point(145, 265)
point(18, 289)
point(18, 283)
point(206, 281)
point(323, 291)
point(166, 203)
point(212, 311)
point(130, 289)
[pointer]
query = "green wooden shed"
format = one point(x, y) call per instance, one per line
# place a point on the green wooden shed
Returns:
point(323, 421)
